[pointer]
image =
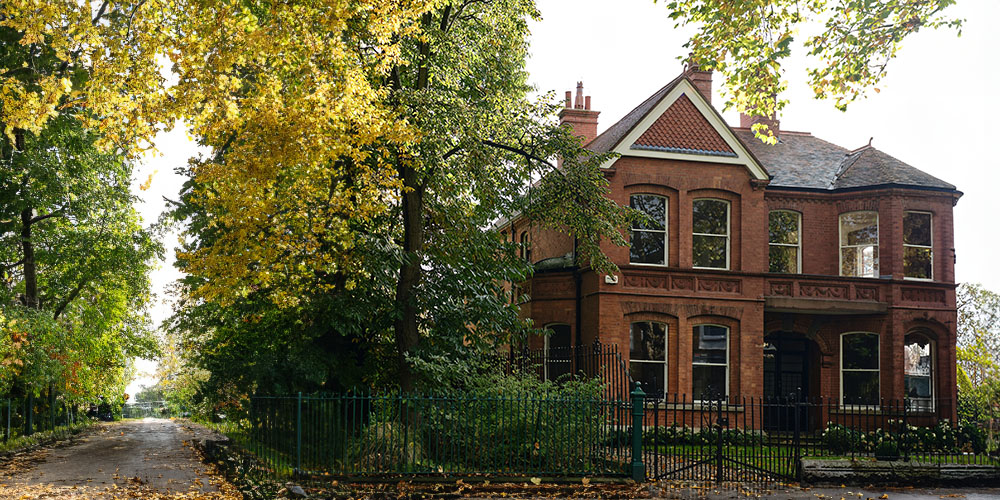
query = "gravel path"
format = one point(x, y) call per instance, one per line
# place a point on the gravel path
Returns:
point(152, 457)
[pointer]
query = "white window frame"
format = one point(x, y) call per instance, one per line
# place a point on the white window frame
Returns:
point(666, 354)
point(666, 232)
point(908, 245)
point(933, 377)
point(545, 360)
point(729, 231)
point(694, 363)
point(797, 246)
point(878, 236)
point(526, 246)
point(877, 370)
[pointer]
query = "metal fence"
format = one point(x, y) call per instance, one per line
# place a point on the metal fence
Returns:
point(25, 416)
point(389, 434)
point(747, 439)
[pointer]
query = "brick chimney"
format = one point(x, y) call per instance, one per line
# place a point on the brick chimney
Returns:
point(773, 123)
point(702, 80)
point(579, 116)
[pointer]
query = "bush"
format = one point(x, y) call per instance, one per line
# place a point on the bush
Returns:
point(887, 449)
point(841, 440)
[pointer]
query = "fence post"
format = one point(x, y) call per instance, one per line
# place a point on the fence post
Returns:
point(298, 436)
point(718, 445)
point(638, 468)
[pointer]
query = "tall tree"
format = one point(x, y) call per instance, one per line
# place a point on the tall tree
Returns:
point(978, 333)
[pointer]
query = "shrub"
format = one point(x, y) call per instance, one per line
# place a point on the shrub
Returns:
point(841, 440)
point(887, 449)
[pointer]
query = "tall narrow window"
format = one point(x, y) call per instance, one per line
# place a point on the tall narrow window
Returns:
point(918, 251)
point(526, 247)
point(710, 244)
point(783, 230)
point(649, 237)
point(918, 371)
point(859, 369)
point(710, 362)
point(558, 355)
point(859, 244)
point(648, 356)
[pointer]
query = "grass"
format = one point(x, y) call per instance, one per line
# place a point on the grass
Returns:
point(60, 433)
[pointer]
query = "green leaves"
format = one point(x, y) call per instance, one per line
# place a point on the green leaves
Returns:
point(748, 40)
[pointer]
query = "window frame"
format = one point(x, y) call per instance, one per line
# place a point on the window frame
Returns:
point(909, 245)
point(666, 232)
point(729, 332)
point(526, 246)
point(545, 351)
point(797, 246)
point(728, 235)
point(877, 370)
point(840, 238)
point(933, 376)
point(666, 354)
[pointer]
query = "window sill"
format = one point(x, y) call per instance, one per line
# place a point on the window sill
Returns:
point(698, 406)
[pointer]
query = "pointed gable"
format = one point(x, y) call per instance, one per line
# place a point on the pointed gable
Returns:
point(683, 129)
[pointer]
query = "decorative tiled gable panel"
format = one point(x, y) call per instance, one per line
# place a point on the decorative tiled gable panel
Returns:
point(683, 129)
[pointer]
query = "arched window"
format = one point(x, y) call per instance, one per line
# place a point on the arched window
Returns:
point(859, 244)
point(558, 355)
point(649, 238)
point(648, 356)
point(859, 369)
point(710, 362)
point(710, 237)
point(784, 242)
point(918, 372)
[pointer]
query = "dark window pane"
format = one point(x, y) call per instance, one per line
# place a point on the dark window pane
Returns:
point(917, 229)
point(859, 228)
point(861, 351)
point(655, 207)
point(783, 227)
point(710, 216)
point(651, 377)
point(861, 388)
point(708, 382)
point(709, 251)
point(918, 387)
point(917, 262)
point(648, 341)
point(647, 248)
point(710, 344)
point(783, 259)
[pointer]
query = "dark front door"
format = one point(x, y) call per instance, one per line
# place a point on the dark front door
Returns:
point(786, 377)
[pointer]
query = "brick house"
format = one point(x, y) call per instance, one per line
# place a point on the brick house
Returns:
point(802, 268)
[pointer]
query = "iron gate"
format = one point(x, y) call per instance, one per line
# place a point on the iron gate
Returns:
point(721, 440)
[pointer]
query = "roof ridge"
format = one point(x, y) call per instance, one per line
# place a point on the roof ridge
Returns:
point(850, 159)
point(661, 92)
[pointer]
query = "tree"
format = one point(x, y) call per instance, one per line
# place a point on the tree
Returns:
point(978, 333)
point(408, 254)
point(852, 42)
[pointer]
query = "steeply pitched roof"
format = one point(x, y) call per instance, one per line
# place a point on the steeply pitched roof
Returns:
point(803, 161)
point(608, 139)
point(683, 129)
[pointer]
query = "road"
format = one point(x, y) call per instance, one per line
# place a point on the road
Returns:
point(149, 458)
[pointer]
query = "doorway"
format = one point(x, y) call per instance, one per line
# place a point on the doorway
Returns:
point(787, 361)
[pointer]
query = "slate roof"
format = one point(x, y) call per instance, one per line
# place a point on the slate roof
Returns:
point(799, 160)
point(683, 129)
point(802, 161)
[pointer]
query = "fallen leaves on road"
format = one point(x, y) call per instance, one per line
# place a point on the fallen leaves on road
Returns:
point(130, 491)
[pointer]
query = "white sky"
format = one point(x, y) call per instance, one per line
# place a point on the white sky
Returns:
point(938, 109)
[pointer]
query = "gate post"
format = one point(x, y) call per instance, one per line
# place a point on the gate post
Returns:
point(638, 468)
point(298, 436)
point(718, 445)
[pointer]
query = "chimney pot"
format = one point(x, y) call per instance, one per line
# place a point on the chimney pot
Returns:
point(702, 80)
point(579, 116)
point(586, 102)
point(579, 95)
point(569, 98)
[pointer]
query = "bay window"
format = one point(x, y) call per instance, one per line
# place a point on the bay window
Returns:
point(859, 244)
point(918, 363)
point(784, 246)
point(918, 251)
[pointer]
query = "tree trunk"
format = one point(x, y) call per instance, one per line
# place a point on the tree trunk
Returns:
point(30, 269)
point(410, 273)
